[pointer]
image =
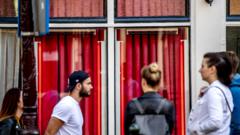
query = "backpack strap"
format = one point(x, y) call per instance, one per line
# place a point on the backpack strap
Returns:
point(162, 103)
point(225, 98)
point(138, 105)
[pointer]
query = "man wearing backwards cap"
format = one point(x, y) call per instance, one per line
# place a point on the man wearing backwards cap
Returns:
point(67, 116)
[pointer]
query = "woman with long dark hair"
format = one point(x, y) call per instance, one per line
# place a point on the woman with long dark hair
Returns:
point(11, 112)
point(212, 113)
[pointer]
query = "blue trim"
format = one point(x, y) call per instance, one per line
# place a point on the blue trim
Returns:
point(233, 18)
point(9, 20)
point(18, 19)
point(78, 20)
point(47, 19)
point(151, 19)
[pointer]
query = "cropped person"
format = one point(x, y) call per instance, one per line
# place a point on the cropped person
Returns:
point(235, 90)
point(11, 112)
point(211, 114)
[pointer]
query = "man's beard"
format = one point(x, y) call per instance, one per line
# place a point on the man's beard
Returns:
point(84, 93)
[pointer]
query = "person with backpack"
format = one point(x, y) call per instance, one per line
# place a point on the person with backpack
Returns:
point(150, 114)
point(211, 115)
point(235, 90)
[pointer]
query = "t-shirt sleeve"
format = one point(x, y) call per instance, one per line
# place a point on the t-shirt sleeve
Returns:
point(62, 111)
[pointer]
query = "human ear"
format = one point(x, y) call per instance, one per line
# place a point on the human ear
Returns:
point(79, 85)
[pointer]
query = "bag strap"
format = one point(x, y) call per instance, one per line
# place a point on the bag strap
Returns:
point(162, 103)
point(138, 105)
point(224, 97)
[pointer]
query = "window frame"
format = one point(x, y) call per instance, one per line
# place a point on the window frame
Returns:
point(228, 16)
point(82, 19)
point(103, 19)
point(185, 18)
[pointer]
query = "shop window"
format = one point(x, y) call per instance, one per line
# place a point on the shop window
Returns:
point(233, 40)
point(8, 8)
point(233, 10)
point(139, 47)
point(59, 54)
point(152, 10)
point(8, 11)
point(10, 60)
point(77, 10)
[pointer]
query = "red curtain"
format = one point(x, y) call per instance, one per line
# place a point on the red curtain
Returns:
point(59, 54)
point(140, 48)
point(143, 8)
point(77, 8)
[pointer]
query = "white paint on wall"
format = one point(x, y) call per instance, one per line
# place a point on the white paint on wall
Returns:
point(207, 35)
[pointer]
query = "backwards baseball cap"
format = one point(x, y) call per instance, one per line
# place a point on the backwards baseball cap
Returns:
point(76, 77)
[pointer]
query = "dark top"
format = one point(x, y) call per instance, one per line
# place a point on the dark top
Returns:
point(150, 101)
point(235, 90)
point(9, 126)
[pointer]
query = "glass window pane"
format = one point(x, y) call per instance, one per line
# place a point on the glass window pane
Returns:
point(233, 40)
point(59, 54)
point(8, 8)
point(234, 7)
point(77, 8)
point(139, 47)
point(150, 8)
point(10, 60)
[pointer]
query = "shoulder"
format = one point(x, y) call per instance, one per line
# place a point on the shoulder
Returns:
point(218, 89)
point(131, 104)
point(168, 105)
point(131, 107)
point(65, 102)
point(217, 93)
point(8, 122)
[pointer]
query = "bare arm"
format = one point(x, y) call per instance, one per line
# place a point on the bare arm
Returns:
point(53, 126)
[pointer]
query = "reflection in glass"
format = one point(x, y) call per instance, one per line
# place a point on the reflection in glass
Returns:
point(139, 47)
point(77, 8)
point(8, 8)
point(150, 8)
point(59, 54)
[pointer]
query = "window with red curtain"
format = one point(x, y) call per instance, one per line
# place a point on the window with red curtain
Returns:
point(151, 8)
point(8, 8)
point(59, 54)
point(139, 47)
point(77, 8)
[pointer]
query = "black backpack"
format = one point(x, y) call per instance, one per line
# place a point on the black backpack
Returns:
point(149, 124)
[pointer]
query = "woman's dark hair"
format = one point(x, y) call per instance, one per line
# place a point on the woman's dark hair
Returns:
point(222, 64)
point(10, 102)
point(151, 74)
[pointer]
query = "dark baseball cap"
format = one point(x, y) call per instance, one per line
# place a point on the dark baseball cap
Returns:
point(76, 77)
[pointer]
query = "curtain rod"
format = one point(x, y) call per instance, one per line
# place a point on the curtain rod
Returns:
point(73, 30)
point(152, 30)
point(8, 31)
